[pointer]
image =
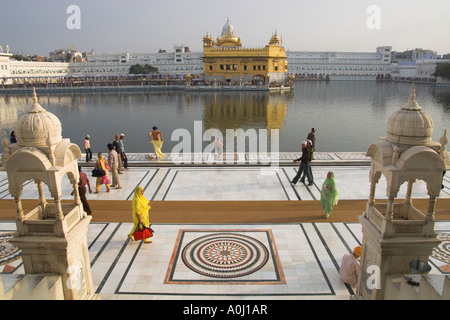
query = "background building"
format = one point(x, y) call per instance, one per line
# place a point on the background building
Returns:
point(14, 71)
point(416, 65)
point(340, 65)
point(181, 61)
point(226, 60)
point(5, 68)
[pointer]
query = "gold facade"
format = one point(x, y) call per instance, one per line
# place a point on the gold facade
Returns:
point(226, 60)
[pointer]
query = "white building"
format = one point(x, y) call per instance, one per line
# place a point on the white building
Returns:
point(301, 64)
point(28, 69)
point(180, 61)
point(5, 68)
point(419, 70)
point(334, 65)
point(340, 65)
point(19, 72)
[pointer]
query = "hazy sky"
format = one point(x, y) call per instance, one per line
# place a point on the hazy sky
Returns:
point(112, 26)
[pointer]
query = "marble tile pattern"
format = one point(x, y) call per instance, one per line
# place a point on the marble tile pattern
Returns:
point(309, 255)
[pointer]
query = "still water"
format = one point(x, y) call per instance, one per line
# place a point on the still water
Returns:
point(348, 115)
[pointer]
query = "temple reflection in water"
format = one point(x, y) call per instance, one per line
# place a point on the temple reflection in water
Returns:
point(245, 110)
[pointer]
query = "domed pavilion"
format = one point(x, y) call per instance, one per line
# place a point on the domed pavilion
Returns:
point(52, 236)
point(396, 233)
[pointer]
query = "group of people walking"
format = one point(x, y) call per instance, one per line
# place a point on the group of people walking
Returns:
point(117, 160)
point(115, 163)
point(111, 166)
point(329, 195)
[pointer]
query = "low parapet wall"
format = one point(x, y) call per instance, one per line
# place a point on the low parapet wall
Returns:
point(242, 159)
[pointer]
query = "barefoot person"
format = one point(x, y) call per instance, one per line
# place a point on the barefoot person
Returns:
point(101, 163)
point(82, 182)
point(140, 206)
point(350, 267)
point(329, 195)
point(156, 138)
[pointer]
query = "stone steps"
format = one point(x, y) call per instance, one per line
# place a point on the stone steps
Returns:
point(31, 287)
point(430, 287)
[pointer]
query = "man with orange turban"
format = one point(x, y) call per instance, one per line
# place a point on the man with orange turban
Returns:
point(350, 267)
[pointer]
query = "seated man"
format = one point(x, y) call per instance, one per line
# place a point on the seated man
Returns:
point(350, 267)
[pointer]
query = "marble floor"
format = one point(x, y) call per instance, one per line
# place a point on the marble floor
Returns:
point(209, 183)
point(284, 261)
point(296, 261)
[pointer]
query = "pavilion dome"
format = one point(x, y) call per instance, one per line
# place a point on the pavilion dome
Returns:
point(38, 127)
point(410, 125)
point(227, 27)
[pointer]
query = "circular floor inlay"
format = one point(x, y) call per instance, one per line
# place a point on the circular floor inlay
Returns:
point(225, 255)
point(8, 252)
point(442, 251)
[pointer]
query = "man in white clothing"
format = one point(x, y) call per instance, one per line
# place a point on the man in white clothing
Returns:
point(113, 163)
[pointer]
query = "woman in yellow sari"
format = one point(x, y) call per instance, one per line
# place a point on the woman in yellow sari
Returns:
point(140, 206)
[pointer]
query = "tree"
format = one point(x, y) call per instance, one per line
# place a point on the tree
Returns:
point(139, 69)
point(20, 57)
point(68, 56)
point(443, 70)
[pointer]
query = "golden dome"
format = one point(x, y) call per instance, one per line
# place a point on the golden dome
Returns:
point(228, 39)
point(207, 37)
point(275, 40)
point(38, 127)
point(410, 125)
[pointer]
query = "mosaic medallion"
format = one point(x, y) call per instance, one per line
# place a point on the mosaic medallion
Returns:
point(442, 251)
point(8, 252)
point(225, 255)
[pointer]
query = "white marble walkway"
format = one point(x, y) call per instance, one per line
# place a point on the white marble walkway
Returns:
point(301, 261)
point(208, 183)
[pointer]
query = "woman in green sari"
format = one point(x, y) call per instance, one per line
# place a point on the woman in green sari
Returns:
point(329, 195)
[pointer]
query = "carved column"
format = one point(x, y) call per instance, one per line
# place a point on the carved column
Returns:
point(409, 191)
point(59, 210)
point(42, 201)
point(431, 206)
point(19, 209)
point(389, 209)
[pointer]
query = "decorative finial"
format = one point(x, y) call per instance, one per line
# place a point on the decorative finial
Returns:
point(412, 103)
point(35, 99)
point(443, 141)
point(413, 92)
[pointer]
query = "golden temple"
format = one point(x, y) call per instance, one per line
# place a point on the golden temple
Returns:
point(225, 60)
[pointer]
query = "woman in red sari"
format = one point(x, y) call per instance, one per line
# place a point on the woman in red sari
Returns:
point(103, 164)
